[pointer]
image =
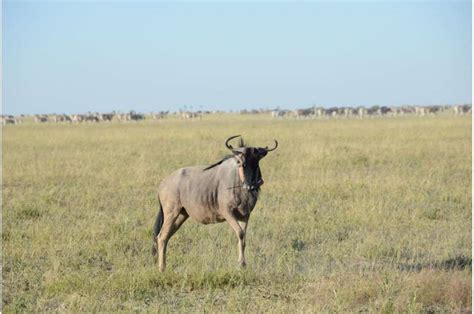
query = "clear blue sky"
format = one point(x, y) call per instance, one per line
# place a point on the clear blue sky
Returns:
point(103, 56)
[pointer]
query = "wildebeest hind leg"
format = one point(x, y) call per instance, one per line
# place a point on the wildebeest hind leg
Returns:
point(240, 235)
point(183, 216)
point(167, 230)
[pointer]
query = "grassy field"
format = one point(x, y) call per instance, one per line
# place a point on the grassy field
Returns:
point(355, 215)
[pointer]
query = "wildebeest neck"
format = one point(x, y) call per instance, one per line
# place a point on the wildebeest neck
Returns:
point(235, 173)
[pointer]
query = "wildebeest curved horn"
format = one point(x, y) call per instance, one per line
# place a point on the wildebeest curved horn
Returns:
point(276, 145)
point(227, 142)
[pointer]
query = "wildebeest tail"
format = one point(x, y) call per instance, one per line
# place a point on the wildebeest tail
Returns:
point(157, 228)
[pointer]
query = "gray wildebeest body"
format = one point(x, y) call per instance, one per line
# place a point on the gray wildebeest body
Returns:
point(225, 191)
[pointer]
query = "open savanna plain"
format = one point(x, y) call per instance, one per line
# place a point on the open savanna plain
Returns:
point(355, 215)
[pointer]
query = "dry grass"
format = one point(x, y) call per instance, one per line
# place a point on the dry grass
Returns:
point(371, 215)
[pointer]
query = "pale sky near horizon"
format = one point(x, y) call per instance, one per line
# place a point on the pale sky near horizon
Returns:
point(150, 56)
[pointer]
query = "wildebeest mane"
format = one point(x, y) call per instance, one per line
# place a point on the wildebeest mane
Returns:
point(219, 162)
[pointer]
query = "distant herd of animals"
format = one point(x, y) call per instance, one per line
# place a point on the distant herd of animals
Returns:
point(348, 112)
point(312, 112)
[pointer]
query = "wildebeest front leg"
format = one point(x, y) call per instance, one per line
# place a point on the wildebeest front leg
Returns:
point(240, 235)
point(243, 224)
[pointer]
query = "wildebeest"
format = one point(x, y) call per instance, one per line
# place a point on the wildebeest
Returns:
point(41, 118)
point(76, 118)
point(187, 115)
point(278, 113)
point(105, 116)
point(361, 111)
point(461, 109)
point(348, 112)
point(160, 115)
point(421, 111)
point(319, 112)
point(331, 112)
point(91, 117)
point(123, 117)
point(384, 110)
point(224, 191)
point(301, 113)
point(136, 116)
point(60, 118)
point(9, 120)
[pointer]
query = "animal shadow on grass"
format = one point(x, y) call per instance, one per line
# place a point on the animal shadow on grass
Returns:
point(459, 262)
point(214, 280)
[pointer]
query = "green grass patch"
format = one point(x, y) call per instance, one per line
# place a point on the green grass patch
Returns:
point(356, 215)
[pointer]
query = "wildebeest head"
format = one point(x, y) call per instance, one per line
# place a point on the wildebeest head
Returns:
point(248, 159)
